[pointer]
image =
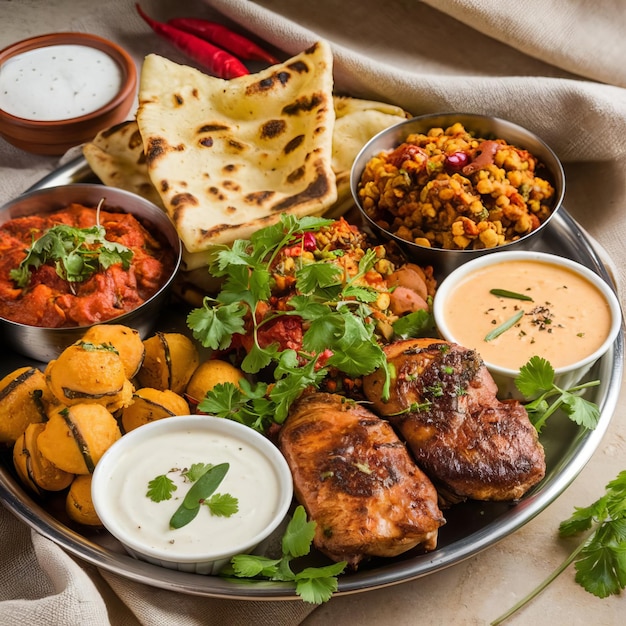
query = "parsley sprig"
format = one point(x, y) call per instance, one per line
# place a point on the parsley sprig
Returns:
point(76, 253)
point(313, 584)
point(536, 380)
point(334, 309)
point(600, 558)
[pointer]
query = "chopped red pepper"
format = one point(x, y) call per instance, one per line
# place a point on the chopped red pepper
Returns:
point(223, 36)
point(219, 62)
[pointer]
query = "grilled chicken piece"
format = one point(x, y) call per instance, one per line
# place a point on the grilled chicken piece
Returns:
point(443, 403)
point(356, 479)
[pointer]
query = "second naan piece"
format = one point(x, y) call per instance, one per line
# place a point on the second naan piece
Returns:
point(228, 157)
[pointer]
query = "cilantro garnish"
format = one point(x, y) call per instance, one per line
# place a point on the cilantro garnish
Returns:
point(161, 488)
point(313, 584)
point(334, 309)
point(77, 253)
point(536, 380)
point(205, 478)
point(600, 559)
point(222, 504)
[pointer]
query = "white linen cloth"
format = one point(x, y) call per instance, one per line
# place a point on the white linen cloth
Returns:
point(556, 67)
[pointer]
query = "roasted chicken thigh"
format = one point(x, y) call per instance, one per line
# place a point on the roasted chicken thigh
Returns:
point(357, 481)
point(443, 403)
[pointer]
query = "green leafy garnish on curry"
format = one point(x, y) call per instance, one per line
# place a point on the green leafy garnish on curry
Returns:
point(77, 253)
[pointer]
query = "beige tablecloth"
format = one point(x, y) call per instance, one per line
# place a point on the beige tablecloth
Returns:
point(554, 66)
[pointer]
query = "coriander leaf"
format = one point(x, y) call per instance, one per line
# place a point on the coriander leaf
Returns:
point(309, 310)
point(259, 285)
point(313, 275)
point(416, 324)
point(313, 584)
point(535, 377)
point(221, 400)
point(357, 353)
point(197, 470)
point(214, 327)
point(323, 331)
point(360, 293)
point(583, 518)
point(247, 405)
point(317, 584)
point(292, 380)
point(161, 488)
point(601, 567)
point(74, 252)
point(581, 411)
point(228, 256)
point(536, 381)
point(600, 558)
point(251, 565)
point(258, 358)
point(299, 534)
point(222, 504)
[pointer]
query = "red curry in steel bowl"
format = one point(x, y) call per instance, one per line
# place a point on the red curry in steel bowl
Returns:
point(47, 302)
point(50, 300)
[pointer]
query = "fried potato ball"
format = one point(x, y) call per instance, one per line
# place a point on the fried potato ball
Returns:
point(75, 437)
point(85, 373)
point(150, 404)
point(170, 360)
point(22, 399)
point(124, 339)
point(34, 469)
point(78, 502)
point(210, 373)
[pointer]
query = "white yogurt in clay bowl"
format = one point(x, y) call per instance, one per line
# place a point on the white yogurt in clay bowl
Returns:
point(60, 89)
point(511, 306)
point(169, 457)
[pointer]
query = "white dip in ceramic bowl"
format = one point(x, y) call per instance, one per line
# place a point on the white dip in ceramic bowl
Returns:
point(257, 476)
point(511, 306)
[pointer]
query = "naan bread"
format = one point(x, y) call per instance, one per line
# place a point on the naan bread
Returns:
point(229, 156)
point(117, 158)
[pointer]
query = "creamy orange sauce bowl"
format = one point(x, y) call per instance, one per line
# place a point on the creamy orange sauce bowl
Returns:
point(511, 306)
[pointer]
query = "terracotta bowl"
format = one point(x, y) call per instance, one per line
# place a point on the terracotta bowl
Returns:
point(56, 136)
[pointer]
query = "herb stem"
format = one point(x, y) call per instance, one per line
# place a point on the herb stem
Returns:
point(496, 332)
point(537, 590)
point(505, 293)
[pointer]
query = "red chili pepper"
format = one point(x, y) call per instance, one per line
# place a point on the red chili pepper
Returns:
point(223, 36)
point(219, 62)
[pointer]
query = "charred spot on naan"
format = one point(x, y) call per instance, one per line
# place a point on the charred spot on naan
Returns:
point(293, 144)
point(306, 104)
point(318, 187)
point(157, 147)
point(273, 129)
point(258, 197)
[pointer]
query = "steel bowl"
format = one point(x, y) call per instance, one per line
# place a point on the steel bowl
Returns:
point(444, 260)
point(44, 344)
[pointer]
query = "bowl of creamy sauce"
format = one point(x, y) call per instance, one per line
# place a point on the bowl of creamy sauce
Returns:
point(58, 90)
point(167, 458)
point(511, 306)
